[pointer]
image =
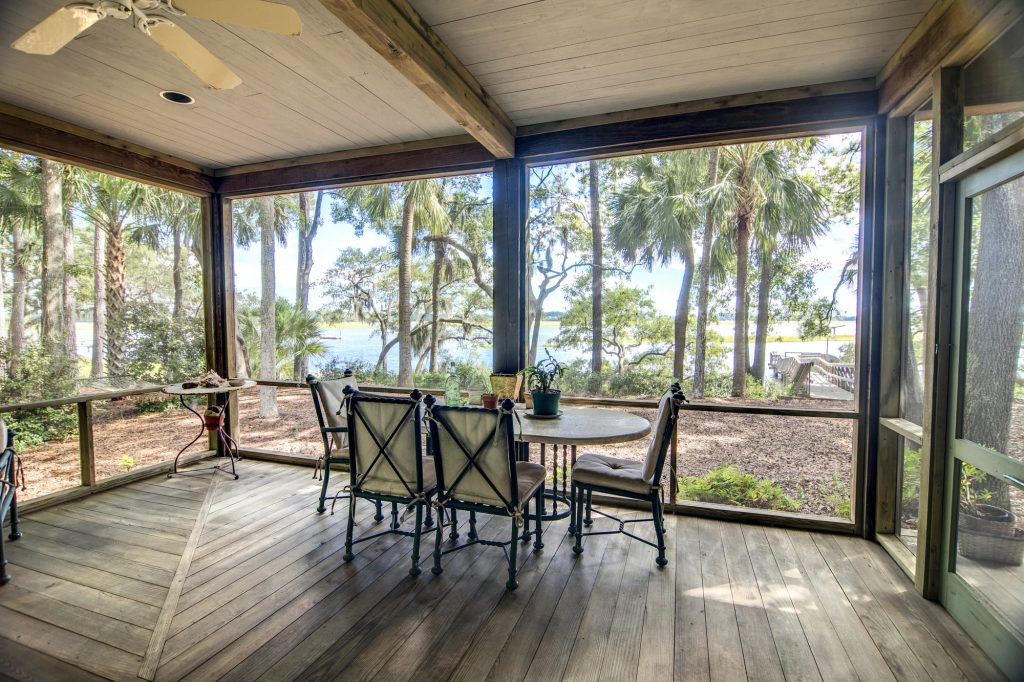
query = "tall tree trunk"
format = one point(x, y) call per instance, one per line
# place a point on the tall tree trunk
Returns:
point(268, 309)
point(52, 201)
point(996, 323)
point(683, 314)
point(739, 337)
point(3, 295)
point(99, 309)
point(435, 304)
point(913, 390)
point(115, 285)
point(405, 238)
point(70, 291)
point(307, 231)
point(764, 290)
point(19, 286)
point(704, 285)
point(176, 268)
point(597, 270)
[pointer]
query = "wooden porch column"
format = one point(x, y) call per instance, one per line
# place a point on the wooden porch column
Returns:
point(511, 188)
point(947, 142)
point(219, 298)
point(869, 328)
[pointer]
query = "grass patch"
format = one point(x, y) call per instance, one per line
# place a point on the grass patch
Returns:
point(728, 485)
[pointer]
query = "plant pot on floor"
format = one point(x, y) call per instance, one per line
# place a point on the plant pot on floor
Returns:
point(997, 549)
point(986, 518)
point(545, 402)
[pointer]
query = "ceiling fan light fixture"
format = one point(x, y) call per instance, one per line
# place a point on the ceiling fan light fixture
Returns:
point(177, 97)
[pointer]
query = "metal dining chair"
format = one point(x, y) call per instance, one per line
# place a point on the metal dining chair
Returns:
point(627, 478)
point(328, 399)
point(477, 471)
point(386, 464)
point(9, 467)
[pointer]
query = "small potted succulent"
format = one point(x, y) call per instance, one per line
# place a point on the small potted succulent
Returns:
point(541, 379)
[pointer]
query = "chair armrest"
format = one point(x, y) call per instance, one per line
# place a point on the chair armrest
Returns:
point(334, 429)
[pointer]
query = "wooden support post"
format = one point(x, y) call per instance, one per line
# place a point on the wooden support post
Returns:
point(511, 188)
point(86, 454)
point(947, 141)
point(869, 330)
point(219, 300)
point(893, 324)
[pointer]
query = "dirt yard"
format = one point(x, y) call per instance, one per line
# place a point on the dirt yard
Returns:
point(808, 458)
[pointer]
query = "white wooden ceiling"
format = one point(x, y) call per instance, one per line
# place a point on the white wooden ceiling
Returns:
point(541, 60)
point(555, 59)
point(324, 91)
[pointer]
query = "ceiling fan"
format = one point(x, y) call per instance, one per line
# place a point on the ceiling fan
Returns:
point(153, 17)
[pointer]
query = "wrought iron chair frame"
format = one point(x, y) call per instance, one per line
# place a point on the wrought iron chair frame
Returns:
point(582, 495)
point(419, 502)
point(326, 433)
point(8, 499)
point(446, 503)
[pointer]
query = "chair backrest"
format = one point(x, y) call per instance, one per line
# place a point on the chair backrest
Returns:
point(474, 454)
point(385, 444)
point(328, 396)
point(664, 427)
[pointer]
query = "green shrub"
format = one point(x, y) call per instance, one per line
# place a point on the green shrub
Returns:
point(729, 485)
point(35, 427)
point(910, 492)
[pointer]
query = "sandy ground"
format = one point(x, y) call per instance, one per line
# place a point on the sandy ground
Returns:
point(809, 458)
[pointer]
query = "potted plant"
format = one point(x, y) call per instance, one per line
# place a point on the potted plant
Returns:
point(986, 532)
point(541, 379)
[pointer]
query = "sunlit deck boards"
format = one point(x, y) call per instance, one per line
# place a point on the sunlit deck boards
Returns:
point(268, 595)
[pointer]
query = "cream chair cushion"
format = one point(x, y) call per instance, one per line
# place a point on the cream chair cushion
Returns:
point(660, 425)
point(611, 472)
point(385, 418)
point(332, 395)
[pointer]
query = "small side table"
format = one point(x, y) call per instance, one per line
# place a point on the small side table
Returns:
point(214, 426)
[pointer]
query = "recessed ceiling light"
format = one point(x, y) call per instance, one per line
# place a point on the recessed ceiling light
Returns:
point(177, 97)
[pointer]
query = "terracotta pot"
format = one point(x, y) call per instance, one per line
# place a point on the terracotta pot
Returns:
point(489, 400)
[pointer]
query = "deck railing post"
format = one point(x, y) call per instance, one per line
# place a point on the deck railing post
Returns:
point(86, 454)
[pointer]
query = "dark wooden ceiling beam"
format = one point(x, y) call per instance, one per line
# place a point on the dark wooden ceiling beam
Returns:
point(390, 163)
point(697, 128)
point(397, 32)
point(33, 133)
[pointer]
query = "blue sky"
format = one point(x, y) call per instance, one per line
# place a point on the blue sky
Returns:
point(831, 251)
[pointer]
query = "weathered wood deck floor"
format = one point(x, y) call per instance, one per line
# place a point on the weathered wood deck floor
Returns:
point(264, 594)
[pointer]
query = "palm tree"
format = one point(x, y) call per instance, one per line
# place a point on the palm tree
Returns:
point(19, 213)
point(114, 207)
point(700, 344)
point(756, 179)
point(790, 218)
point(596, 268)
point(416, 203)
point(52, 204)
point(655, 218)
point(307, 229)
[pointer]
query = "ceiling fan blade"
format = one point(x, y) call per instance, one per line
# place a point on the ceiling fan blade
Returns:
point(192, 54)
point(268, 16)
point(56, 30)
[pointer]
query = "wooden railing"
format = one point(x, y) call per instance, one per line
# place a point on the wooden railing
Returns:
point(86, 450)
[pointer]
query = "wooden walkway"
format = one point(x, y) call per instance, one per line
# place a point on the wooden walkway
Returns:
point(245, 581)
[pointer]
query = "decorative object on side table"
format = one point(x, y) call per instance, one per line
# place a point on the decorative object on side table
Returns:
point(987, 532)
point(507, 386)
point(542, 378)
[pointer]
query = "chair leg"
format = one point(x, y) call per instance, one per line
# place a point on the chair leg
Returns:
point(5, 577)
point(438, 539)
point(587, 521)
point(323, 490)
point(659, 528)
point(573, 503)
point(394, 516)
point(15, 533)
point(577, 546)
point(415, 570)
point(379, 516)
point(453, 533)
point(538, 542)
point(349, 529)
point(472, 525)
point(512, 583)
point(429, 521)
